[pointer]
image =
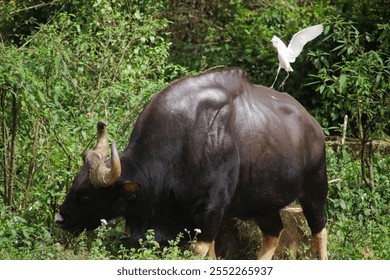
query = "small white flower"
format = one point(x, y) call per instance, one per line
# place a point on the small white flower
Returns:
point(198, 231)
point(103, 222)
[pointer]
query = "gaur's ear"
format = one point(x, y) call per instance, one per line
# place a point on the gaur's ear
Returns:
point(132, 187)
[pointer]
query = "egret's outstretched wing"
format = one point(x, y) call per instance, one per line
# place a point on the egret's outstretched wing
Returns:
point(301, 38)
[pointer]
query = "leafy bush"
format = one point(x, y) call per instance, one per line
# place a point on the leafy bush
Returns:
point(66, 64)
point(353, 80)
point(358, 216)
point(149, 249)
point(21, 240)
point(26, 236)
point(238, 33)
point(84, 63)
point(104, 62)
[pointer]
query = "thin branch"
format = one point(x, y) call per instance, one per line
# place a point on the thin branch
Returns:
point(115, 75)
point(32, 164)
point(41, 29)
point(62, 146)
point(2, 40)
point(40, 5)
point(5, 144)
point(344, 130)
point(21, 186)
point(334, 181)
point(15, 116)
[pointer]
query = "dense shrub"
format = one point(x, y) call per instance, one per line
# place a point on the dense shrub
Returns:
point(66, 64)
point(358, 216)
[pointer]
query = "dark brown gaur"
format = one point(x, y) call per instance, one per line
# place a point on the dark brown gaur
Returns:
point(206, 147)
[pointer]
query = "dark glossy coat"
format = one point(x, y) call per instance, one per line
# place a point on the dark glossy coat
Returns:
point(206, 146)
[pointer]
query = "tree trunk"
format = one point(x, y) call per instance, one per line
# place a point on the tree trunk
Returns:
point(12, 175)
point(5, 145)
point(365, 162)
point(295, 241)
point(32, 164)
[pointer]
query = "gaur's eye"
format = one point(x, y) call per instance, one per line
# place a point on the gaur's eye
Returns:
point(83, 198)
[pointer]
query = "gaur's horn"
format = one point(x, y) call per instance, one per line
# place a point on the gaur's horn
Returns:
point(101, 174)
point(102, 140)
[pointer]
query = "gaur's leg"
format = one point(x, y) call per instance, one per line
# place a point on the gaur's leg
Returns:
point(313, 205)
point(204, 249)
point(208, 223)
point(321, 244)
point(315, 216)
point(271, 226)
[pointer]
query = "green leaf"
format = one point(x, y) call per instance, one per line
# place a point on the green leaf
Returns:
point(137, 15)
point(41, 96)
point(57, 61)
point(342, 82)
point(378, 78)
point(322, 87)
point(343, 205)
point(325, 61)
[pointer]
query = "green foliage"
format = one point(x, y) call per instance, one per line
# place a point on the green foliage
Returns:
point(358, 216)
point(105, 62)
point(206, 34)
point(83, 63)
point(66, 64)
point(149, 249)
point(26, 236)
point(238, 33)
point(20, 240)
point(354, 81)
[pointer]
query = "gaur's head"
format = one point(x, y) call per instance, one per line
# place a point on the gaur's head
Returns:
point(97, 192)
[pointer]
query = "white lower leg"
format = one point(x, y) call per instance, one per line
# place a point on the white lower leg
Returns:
point(320, 240)
point(283, 83)
point(211, 252)
point(204, 249)
point(277, 74)
point(268, 247)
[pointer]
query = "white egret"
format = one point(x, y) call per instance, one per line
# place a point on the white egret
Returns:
point(287, 55)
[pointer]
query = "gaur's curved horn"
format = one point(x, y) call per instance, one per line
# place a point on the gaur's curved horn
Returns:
point(102, 140)
point(115, 170)
point(101, 174)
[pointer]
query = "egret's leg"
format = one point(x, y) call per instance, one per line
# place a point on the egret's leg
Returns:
point(283, 83)
point(277, 74)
